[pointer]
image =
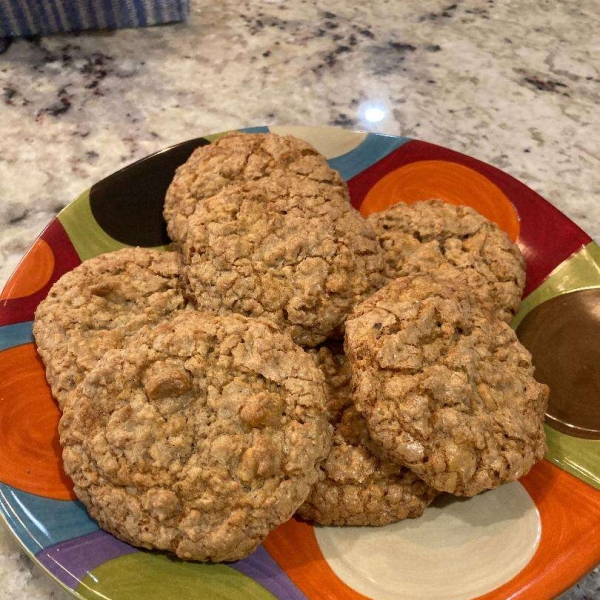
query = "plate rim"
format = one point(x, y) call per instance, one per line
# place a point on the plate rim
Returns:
point(154, 155)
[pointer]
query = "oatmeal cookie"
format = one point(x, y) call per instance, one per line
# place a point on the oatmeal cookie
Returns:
point(433, 234)
point(334, 365)
point(446, 390)
point(360, 487)
point(199, 436)
point(98, 305)
point(287, 249)
point(238, 158)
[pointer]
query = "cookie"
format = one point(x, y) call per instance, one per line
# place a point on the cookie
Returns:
point(445, 390)
point(98, 305)
point(287, 249)
point(433, 234)
point(198, 437)
point(358, 486)
point(334, 365)
point(238, 158)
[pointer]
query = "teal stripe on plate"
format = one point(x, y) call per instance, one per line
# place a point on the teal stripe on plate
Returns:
point(15, 335)
point(373, 148)
point(42, 522)
point(259, 129)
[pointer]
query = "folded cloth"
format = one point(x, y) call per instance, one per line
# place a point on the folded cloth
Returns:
point(31, 17)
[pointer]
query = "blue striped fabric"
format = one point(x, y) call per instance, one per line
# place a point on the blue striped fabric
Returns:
point(32, 17)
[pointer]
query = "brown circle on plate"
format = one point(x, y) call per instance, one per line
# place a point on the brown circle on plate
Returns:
point(563, 336)
point(128, 205)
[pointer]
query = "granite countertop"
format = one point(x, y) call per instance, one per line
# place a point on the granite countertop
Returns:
point(513, 83)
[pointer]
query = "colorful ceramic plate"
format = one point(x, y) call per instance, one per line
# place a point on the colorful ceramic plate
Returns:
point(529, 539)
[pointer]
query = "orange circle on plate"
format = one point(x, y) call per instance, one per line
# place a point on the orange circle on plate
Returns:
point(448, 181)
point(32, 274)
point(31, 456)
point(294, 547)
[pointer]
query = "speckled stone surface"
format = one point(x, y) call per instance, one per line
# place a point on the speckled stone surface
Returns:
point(514, 83)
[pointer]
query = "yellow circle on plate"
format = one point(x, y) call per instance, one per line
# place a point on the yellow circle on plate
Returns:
point(460, 549)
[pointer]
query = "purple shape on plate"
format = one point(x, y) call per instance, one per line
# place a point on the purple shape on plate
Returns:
point(261, 567)
point(69, 561)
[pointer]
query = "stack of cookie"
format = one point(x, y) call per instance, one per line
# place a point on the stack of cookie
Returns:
point(289, 356)
point(436, 394)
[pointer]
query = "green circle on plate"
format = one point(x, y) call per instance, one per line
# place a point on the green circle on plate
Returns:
point(157, 577)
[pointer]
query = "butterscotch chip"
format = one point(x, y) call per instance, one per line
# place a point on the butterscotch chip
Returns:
point(358, 486)
point(287, 249)
point(445, 389)
point(199, 436)
point(98, 305)
point(464, 245)
point(235, 159)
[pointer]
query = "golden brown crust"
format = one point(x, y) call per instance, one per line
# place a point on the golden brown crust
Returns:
point(235, 159)
point(468, 248)
point(445, 390)
point(98, 305)
point(199, 436)
point(334, 365)
point(287, 249)
point(358, 486)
